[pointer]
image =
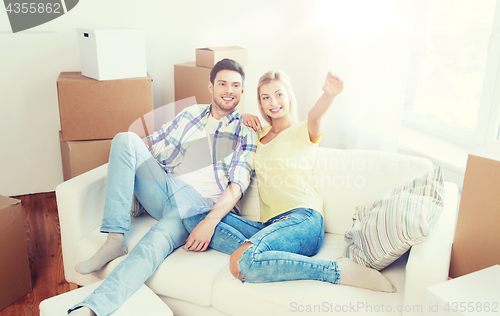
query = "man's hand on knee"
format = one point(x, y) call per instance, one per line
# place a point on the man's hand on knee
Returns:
point(200, 237)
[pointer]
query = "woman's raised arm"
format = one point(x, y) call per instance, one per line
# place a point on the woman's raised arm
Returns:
point(332, 87)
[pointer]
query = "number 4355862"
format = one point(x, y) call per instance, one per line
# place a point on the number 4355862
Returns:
point(472, 307)
point(34, 8)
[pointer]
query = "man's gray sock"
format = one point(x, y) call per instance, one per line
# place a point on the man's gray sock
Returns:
point(111, 249)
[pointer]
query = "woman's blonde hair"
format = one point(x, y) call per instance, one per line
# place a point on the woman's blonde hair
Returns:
point(280, 76)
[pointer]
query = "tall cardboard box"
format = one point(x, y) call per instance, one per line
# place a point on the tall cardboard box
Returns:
point(209, 56)
point(80, 156)
point(15, 277)
point(477, 237)
point(191, 80)
point(91, 109)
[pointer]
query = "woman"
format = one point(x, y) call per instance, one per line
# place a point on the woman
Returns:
point(279, 248)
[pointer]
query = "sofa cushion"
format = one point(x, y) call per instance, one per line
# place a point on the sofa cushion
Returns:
point(184, 275)
point(387, 228)
point(350, 178)
point(188, 275)
point(233, 297)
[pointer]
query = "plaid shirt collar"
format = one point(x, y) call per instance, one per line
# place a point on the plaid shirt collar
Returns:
point(228, 119)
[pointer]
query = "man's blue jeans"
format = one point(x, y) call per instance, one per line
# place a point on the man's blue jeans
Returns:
point(132, 169)
point(281, 246)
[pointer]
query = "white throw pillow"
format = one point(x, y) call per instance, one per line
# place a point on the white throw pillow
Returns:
point(384, 230)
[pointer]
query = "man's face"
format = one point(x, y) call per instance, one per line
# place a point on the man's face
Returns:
point(226, 92)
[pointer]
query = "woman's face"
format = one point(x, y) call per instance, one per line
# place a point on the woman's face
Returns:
point(274, 100)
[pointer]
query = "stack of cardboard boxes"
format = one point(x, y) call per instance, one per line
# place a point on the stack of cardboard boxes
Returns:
point(111, 93)
point(92, 112)
point(192, 78)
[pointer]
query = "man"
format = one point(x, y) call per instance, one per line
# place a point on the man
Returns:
point(169, 181)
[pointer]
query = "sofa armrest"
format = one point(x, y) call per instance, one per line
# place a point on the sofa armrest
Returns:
point(80, 203)
point(429, 261)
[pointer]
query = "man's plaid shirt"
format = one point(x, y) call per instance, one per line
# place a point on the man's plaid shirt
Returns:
point(234, 144)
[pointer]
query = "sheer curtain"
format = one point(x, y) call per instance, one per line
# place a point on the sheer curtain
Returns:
point(370, 44)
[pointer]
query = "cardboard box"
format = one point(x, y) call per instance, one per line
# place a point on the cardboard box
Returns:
point(191, 80)
point(477, 237)
point(112, 53)
point(91, 109)
point(208, 57)
point(14, 263)
point(83, 155)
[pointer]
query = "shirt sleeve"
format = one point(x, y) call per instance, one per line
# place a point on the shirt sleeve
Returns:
point(317, 139)
point(160, 140)
point(242, 162)
point(166, 129)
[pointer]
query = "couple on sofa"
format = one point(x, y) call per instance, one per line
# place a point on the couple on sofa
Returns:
point(193, 203)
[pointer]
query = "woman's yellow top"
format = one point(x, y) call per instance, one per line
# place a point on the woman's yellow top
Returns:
point(284, 172)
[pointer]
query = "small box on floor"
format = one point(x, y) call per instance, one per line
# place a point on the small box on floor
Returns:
point(81, 156)
point(112, 53)
point(91, 109)
point(14, 264)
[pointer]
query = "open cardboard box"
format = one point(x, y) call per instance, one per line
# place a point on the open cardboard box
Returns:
point(209, 56)
point(477, 237)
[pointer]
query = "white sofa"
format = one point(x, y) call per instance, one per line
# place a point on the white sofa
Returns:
point(200, 283)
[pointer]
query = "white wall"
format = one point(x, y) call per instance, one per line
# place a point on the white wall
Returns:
point(278, 35)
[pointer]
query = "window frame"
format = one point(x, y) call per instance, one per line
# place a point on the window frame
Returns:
point(487, 124)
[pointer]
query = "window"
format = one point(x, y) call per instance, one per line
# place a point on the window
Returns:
point(452, 89)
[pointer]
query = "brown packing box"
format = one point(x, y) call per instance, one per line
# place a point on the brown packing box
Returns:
point(191, 80)
point(15, 278)
point(81, 156)
point(92, 109)
point(208, 57)
point(477, 238)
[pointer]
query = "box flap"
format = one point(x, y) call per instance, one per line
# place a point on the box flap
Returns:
point(491, 151)
point(77, 76)
point(108, 30)
point(221, 48)
point(7, 201)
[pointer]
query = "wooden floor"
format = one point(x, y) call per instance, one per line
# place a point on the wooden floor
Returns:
point(44, 250)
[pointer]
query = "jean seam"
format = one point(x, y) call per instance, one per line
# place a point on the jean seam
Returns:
point(229, 233)
point(244, 222)
point(311, 265)
point(153, 176)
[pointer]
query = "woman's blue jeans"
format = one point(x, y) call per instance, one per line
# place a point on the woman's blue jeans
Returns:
point(132, 170)
point(281, 247)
